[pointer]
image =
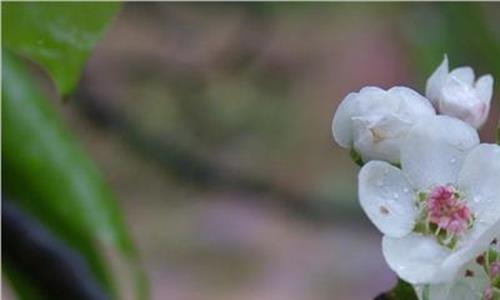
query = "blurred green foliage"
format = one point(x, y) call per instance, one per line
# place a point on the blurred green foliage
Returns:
point(459, 29)
point(58, 35)
point(44, 169)
point(21, 284)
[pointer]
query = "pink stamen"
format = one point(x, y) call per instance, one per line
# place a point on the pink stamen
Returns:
point(488, 293)
point(447, 211)
point(495, 269)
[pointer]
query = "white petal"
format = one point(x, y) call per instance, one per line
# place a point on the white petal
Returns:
point(461, 287)
point(458, 93)
point(414, 104)
point(480, 181)
point(373, 91)
point(380, 139)
point(374, 101)
point(462, 101)
point(417, 259)
point(476, 242)
point(384, 119)
point(484, 88)
point(387, 198)
point(434, 150)
point(436, 82)
point(467, 288)
point(420, 290)
point(464, 74)
point(342, 127)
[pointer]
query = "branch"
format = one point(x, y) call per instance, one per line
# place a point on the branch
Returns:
point(188, 167)
point(55, 269)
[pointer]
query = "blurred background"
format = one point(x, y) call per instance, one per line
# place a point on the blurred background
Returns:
point(211, 122)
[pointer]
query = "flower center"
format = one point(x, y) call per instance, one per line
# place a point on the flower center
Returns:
point(378, 134)
point(446, 210)
point(444, 213)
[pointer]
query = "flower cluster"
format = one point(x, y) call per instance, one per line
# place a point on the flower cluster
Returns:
point(427, 183)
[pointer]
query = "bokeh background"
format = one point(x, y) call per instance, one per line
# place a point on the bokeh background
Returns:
point(212, 121)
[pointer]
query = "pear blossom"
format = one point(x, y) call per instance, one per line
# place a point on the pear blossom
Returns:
point(479, 279)
point(373, 122)
point(435, 212)
point(457, 94)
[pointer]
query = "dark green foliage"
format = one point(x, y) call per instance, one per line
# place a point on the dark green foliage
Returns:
point(401, 291)
point(57, 35)
point(44, 170)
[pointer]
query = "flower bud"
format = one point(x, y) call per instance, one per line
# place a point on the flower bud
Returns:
point(374, 122)
point(456, 94)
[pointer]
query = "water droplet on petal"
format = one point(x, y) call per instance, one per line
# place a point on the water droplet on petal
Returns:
point(406, 190)
point(453, 160)
point(401, 268)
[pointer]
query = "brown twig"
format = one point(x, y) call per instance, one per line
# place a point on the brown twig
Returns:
point(190, 168)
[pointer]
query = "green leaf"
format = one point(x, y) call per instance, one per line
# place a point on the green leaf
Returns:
point(25, 290)
point(401, 291)
point(48, 174)
point(356, 157)
point(404, 290)
point(57, 35)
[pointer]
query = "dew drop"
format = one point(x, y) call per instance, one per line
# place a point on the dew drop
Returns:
point(406, 190)
point(396, 196)
point(453, 160)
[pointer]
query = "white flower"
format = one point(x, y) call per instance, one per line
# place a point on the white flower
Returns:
point(435, 210)
point(374, 121)
point(461, 287)
point(479, 279)
point(456, 94)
